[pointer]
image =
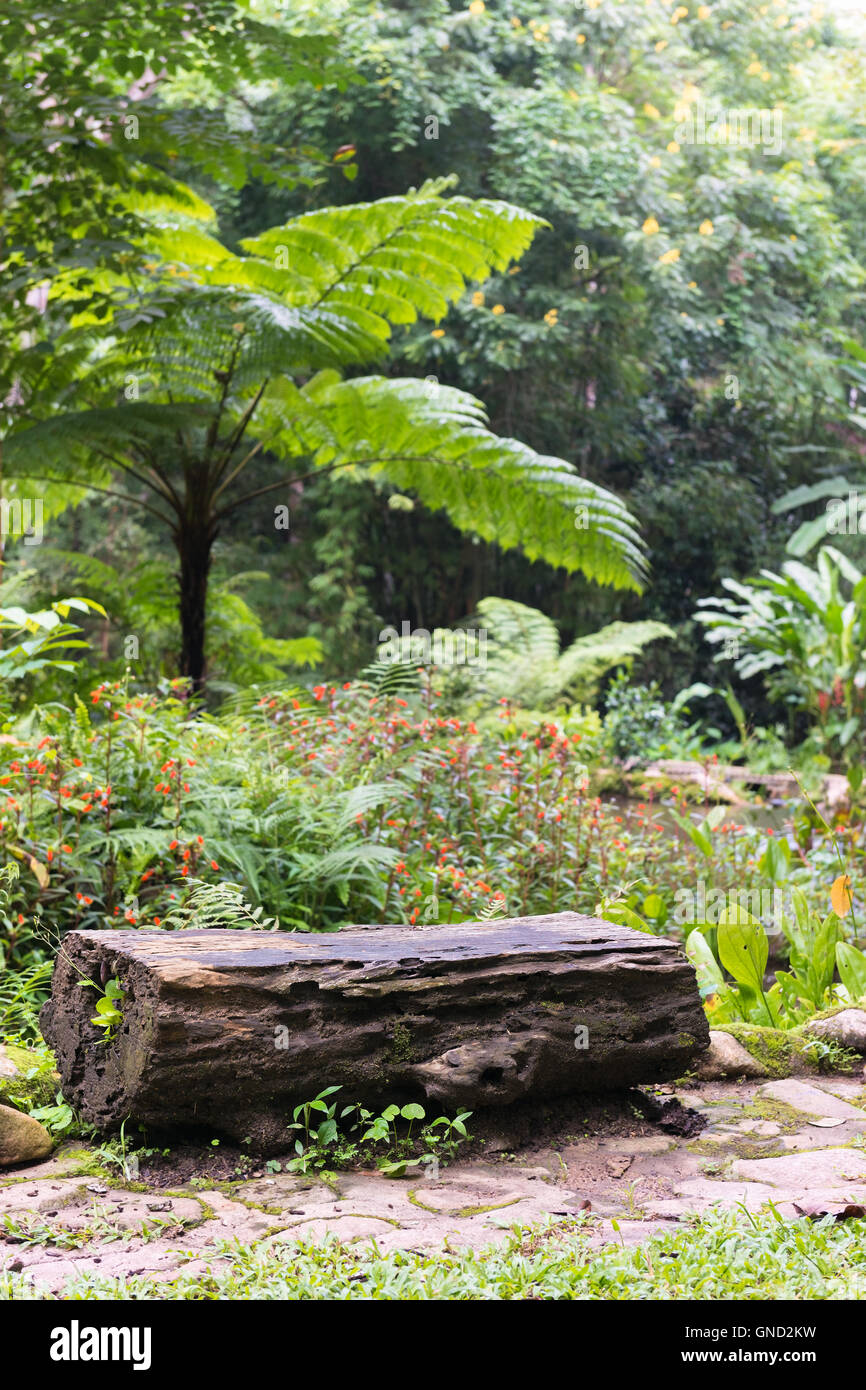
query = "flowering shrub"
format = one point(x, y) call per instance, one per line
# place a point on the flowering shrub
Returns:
point(335, 805)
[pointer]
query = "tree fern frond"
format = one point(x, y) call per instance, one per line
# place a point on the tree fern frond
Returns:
point(111, 430)
point(398, 256)
point(432, 440)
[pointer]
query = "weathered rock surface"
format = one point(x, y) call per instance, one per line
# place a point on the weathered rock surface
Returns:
point(727, 1057)
point(228, 1030)
point(812, 1100)
point(22, 1139)
point(847, 1028)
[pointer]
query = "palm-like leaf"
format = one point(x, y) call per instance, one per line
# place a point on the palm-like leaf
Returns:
point(433, 441)
point(326, 288)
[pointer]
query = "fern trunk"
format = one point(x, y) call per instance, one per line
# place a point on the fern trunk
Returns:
point(194, 545)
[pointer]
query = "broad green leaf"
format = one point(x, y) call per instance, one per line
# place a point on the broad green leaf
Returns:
point(743, 947)
point(852, 969)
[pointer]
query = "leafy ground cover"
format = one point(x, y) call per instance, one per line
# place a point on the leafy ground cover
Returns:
point(727, 1255)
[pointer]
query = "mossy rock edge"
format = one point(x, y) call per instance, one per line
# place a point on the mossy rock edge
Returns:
point(782, 1052)
point(24, 1092)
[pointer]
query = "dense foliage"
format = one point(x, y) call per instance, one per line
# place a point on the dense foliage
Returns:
point(431, 473)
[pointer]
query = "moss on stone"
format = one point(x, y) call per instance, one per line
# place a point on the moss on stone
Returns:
point(35, 1082)
point(413, 1197)
point(402, 1049)
point(781, 1051)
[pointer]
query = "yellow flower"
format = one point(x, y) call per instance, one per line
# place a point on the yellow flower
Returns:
point(720, 322)
point(655, 162)
point(438, 333)
point(706, 228)
point(650, 227)
point(478, 298)
point(580, 38)
point(793, 236)
point(679, 13)
point(673, 147)
point(651, 111)
point(516, 23)
point(693, 284)
point(477, 7)
point(754, 68)
point(592, 4)
point(498, 309)
point(670, 256)
point(690, 92)
point(662, 44)
point(840, 895)
point(704, 11)
point(551, 318)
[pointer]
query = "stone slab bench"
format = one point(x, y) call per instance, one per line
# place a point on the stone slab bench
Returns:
point(227, 1030)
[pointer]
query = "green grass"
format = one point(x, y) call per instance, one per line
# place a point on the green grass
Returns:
point(720, 1256)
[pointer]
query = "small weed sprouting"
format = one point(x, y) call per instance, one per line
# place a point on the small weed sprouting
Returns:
point(109, 1008)
point(327, 1145)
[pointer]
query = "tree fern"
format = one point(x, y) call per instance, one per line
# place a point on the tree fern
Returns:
point(214, 346)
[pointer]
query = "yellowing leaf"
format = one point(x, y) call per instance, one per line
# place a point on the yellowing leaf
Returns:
point(39, 870)
point(840, 895)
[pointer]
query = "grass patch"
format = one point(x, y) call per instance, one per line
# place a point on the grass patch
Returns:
point(728, 1255)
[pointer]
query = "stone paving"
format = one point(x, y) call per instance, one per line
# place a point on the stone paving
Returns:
point(798, 1144)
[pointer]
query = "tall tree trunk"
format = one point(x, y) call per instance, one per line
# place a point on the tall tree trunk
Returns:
point(194, 542)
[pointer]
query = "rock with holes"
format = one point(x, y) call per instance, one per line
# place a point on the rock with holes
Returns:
point(228, 1030)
